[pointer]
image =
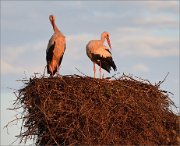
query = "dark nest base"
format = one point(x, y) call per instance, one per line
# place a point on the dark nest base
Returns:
point(85, 111)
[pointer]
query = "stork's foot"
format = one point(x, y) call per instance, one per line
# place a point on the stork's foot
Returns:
point(51, 76)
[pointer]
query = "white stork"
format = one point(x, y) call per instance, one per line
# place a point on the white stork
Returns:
point(55, 49)
point(100, 54)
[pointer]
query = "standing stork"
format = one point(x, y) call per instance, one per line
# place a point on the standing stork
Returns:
point(100, 54)
point(55, 49)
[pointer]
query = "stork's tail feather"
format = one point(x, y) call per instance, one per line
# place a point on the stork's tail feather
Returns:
point(110, 63)
point(105, 66)
point(113, 65)
point(106, 62)
point(49, 70)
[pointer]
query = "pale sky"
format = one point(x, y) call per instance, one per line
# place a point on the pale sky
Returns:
point(144, 37)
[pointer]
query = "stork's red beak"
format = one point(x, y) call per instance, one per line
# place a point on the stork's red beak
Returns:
point(109, 42)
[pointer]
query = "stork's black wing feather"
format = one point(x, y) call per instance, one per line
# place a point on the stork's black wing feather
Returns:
point(106, 62)
point(60, 60)
point(49, 53)
point(108, 50)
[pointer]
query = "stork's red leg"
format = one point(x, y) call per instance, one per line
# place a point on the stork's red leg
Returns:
point(57, 73)
point(51, 71)
point(100, 69)
point(94, 70)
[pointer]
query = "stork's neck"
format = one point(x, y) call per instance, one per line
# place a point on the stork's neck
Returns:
point(55, 27)
point(102, 38)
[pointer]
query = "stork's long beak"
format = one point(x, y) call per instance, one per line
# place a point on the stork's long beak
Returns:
point(109, 42)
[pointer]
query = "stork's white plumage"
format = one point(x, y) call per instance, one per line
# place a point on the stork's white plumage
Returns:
point(55, 50)
point(100, 54)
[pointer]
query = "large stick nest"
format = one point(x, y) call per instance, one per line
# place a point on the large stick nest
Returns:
point(82, 110)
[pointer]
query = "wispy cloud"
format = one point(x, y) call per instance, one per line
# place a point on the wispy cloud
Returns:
point(159, 21)
point(76, 44)
point(170, 6)
point(11, 68)
point(141, 42)
point(7, 68)
point(11, 53)
point(24, 58)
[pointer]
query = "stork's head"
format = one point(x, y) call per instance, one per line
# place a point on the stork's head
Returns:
point(52, 19)
point(105, 34)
